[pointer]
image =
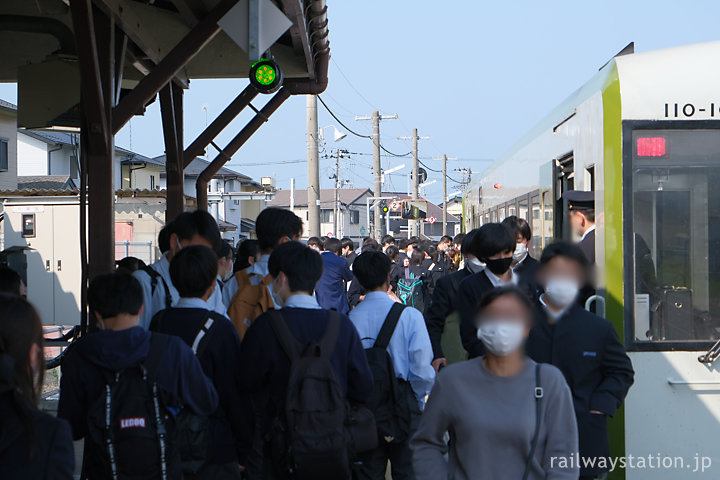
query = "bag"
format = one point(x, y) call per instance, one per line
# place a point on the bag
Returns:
point(392, 400)
point(156, 278)
point(127, 425)
point(410, 290)
point(191, 432)
point(538, 421)
point(249, 301)
point(317, 446)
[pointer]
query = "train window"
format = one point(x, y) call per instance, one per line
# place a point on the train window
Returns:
point(536, 226)
point(523, 209)
point(548, 206)
point(676, 235)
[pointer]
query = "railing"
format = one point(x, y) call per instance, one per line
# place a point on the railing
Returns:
point(141, 250)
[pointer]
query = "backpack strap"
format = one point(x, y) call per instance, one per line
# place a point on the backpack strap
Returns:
point(538, 420)
point(328, 342)
point(287, 340)
point(155, 277)
point(202, 339)
point(388, 327)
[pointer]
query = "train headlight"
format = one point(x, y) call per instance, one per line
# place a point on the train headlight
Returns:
point(266, 76)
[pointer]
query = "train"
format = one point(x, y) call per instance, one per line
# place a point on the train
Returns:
point(643, 134)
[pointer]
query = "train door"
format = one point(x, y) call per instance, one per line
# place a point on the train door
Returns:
point(564, 181)
point(672, 295)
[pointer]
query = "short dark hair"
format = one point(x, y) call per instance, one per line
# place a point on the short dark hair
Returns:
point(404, 242)
point(112, 294)
point(226, 250)
point(466, 242)
point(446, 239)
point(587, 211)
point(164, 238)
point(129, 265)
point(564, 249)
point(275, 223)
point(248, 248)
point(498, 292)
point(372, 269)
point(417, 257)
point(459, 238)
point(193, 270)
point(392, 252)
point(347, 242)
point(388, 240)
point(314, 242)
point(518, 226)
point(10, 281)
point(301, 265)
point(323, 240)
point(333, 245)
point(199, 222)
point(491, 239)
point(370, 245)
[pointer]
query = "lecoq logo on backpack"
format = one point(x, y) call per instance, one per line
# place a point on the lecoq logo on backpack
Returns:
point(137, 422)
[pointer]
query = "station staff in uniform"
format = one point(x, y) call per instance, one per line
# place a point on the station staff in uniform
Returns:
point(582, 219)
point(583, 346)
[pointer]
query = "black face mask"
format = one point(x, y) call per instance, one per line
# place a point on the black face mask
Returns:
point(499, 266)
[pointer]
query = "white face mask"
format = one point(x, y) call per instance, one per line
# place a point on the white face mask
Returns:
point(276, 297)
point(520, 252)
point(475, 265)
point(501, 337)
point(228, 276)
point(562, 291)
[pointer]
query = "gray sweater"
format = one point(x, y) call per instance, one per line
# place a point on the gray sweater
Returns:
point(492, 421)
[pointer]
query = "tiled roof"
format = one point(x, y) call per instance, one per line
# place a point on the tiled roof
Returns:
point(46, 182)
point(7, 105)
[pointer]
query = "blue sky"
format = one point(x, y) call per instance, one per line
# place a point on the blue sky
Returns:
point(472, 75)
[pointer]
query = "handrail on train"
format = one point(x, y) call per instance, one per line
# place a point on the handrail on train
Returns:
point(600, 301)
point(711, 355)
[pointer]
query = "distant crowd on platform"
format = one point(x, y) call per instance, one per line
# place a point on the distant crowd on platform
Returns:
point(462, 358)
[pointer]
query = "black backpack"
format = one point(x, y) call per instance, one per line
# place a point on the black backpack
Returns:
point(392, 399)
point(128, 434)
point(410, 290)
point(316, 443)
point(191, 432)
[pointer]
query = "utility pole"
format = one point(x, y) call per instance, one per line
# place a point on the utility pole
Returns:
point(338, 154)
point(415, 225)
point(445, 199)
point(377, 167)
point(313, 191)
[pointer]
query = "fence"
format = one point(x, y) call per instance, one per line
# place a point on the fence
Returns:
point(141, 250)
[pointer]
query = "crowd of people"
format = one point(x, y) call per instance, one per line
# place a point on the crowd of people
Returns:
point(464, 358)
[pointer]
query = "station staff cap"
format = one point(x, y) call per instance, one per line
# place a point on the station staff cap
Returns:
point(580, 200)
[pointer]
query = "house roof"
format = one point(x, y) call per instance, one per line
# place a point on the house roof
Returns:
point(8, 106)
point(52, 138)
point(196, 167)
point(46, 182)
point(348, 196)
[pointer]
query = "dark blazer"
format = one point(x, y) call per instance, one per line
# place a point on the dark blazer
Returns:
point(587, 245)
point(220, 360)
point(443, 304)
point(53, 457)
point(471, 290)
point(599, 373)
point(330, 290)
point(527, 270)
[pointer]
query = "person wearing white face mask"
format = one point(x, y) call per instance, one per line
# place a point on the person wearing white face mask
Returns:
point(509, 415)
point(524, 265)
point(582, 345)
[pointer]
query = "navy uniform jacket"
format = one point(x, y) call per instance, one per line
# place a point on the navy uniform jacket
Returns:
point(268, 369)
point(587, 245)
point(471, 290)
point(527, 270)
point(587, 350)
point(443, 304)
point(330, 290)
point(220, 360)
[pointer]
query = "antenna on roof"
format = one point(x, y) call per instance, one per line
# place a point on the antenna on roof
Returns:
point(628, 50)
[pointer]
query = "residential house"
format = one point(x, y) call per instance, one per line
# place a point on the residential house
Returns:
point(353, 219)
point(8, 145)
point(431, 226)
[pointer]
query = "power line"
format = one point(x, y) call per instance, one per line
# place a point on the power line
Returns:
point(350, 83)
point(340, 121)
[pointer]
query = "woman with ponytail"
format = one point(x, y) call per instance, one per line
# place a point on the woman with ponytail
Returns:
point(33, 445)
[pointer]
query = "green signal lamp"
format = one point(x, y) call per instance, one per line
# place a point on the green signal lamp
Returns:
point(266, 76)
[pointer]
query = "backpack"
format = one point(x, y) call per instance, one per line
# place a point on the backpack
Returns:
point(156, 278)
point(316, 443)
point(410, 290)
point(128, 435)
point(191, 432)
point(392, 400)
point(249, 301)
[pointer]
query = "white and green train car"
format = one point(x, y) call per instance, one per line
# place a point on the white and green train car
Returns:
point(644, 135)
